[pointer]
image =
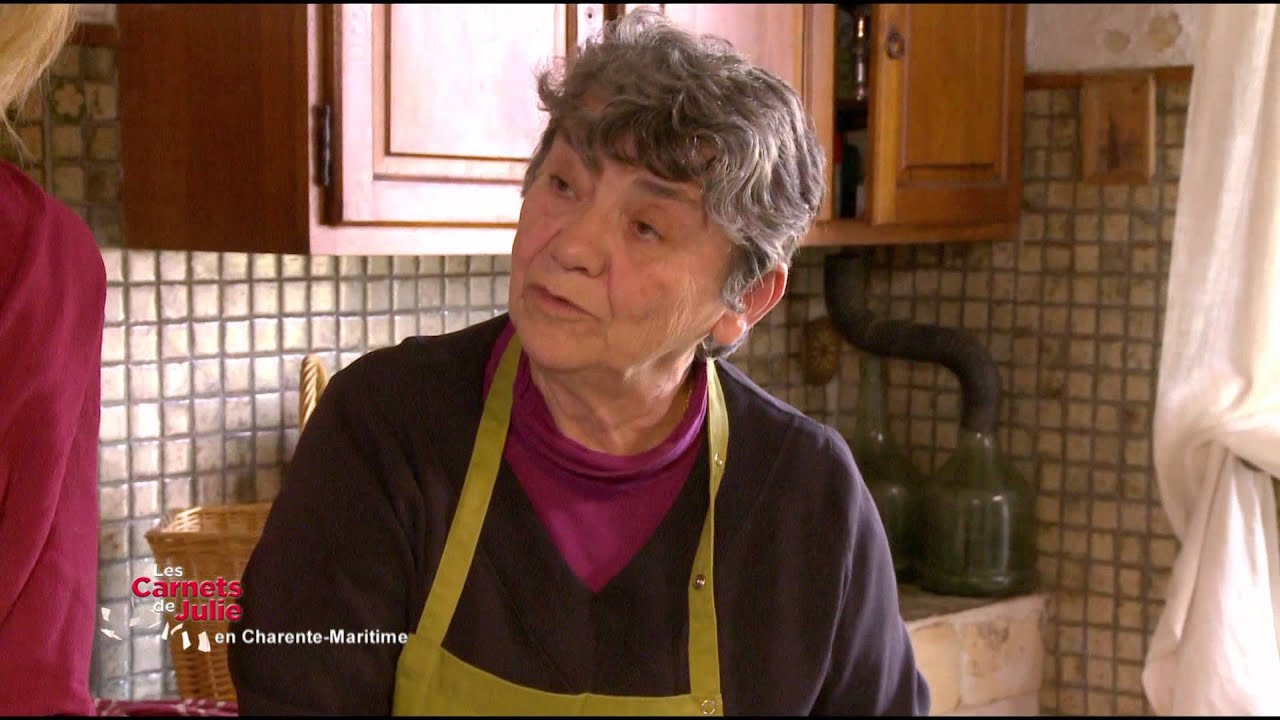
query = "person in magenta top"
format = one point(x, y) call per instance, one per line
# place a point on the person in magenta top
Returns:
point(562, 474)
point(52, 300)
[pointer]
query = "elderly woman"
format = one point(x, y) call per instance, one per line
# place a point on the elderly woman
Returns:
point(579, 507)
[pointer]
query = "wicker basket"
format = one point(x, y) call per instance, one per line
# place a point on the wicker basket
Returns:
point(207, 543)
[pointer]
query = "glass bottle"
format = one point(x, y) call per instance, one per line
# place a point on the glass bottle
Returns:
point(895, 485)
point(979, 524)
point(861, 53)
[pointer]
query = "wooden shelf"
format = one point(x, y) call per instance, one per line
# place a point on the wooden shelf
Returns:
point(854, 231)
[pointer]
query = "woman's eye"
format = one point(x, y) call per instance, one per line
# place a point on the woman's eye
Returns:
point(647, 231)
point(560, 186)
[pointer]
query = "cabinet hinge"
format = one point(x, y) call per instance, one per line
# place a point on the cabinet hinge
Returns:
point(324, 143)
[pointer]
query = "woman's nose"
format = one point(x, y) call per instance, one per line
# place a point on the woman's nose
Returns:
point(582, 242)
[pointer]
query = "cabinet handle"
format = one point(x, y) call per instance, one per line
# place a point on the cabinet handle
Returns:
point(894, 45)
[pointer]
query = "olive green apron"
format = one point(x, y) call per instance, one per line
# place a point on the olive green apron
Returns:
point(431, 681)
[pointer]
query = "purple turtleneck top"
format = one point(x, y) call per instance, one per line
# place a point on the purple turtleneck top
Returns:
point(599, 509)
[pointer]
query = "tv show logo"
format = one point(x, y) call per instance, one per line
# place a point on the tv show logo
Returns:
point(169, 591)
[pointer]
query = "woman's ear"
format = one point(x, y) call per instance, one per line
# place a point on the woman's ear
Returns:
point(757, 301)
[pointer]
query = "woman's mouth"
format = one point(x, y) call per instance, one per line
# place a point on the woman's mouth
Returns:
point(556, 305)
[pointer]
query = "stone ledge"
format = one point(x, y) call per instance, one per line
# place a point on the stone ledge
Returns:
point(980, 656)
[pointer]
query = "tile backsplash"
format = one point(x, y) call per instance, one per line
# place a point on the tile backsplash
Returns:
point(201, 355)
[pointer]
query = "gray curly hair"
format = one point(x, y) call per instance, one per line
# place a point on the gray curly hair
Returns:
point(691, 109)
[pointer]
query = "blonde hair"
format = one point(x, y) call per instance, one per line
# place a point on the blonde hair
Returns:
point(30, 38)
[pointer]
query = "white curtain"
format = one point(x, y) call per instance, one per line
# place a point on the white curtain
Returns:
point(1215, 649)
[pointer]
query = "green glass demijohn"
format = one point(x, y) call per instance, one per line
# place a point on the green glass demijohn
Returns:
point(979, 524)
point(895, 484)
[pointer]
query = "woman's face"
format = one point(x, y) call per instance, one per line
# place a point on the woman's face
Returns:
point(619, 270)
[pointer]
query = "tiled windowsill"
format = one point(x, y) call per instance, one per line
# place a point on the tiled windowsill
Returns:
point(981, 656)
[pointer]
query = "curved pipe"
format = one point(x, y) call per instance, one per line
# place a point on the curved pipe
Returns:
point(845, 285)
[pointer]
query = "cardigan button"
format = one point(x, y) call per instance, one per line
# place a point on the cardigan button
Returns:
point(699, 582)
point(708, 707)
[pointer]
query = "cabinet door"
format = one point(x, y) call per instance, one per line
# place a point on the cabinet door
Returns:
point(437, 110)
point(946, 116)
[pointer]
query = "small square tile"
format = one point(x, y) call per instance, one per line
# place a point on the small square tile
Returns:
point(323, 296)
point(103, 101)
point(235, 266)
point(113, 423)
point(177, 418)
point(351, 296)
point(455, 292)
point(236, 337)
point(430, 265)
point(143, 343)
point(266, 266)
point(104, 144)
point(144, 420)
point(379, 265)
point(267, 444)
point(113, 460)
point(144, 382)
point(404, 294)
point(177, 455)
point(112, 384)
point(266, 298)
point(350, 266)
point(430, 293)
point(294, 332)
point(69, 183)
point(378, 296)
point(404, 266)
point(405, 326)
point(175, 341)
point(210, 490)
point(378, 329)
point(144, 459)
point(68, 142)
point(177, 493)
point(322, 266)
point(294, 300)
point(236, 372)
point(266, 373)
point(177, 379)
point(239, 448)
point(141, 266)
point(324, 333)
point(146, 498)
point(266, 335)
point(351, 333)
point(173, 302)
point(208, 449)
point(293, 266)
point(235, 300)
point(266, 411)
point(237, 415)
point(205, 266)
point(142, 303)
point(205, 339)
point(205, 300)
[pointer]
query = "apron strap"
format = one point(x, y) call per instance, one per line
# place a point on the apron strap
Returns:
point(468, 518)
point(704, 652)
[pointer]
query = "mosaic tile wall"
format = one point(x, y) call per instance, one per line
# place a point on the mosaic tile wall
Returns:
point(1072, 314)
point(201, 355)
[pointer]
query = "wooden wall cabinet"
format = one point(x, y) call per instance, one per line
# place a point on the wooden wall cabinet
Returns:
point(944, 117)
point(405, 129)
point(332, 129)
